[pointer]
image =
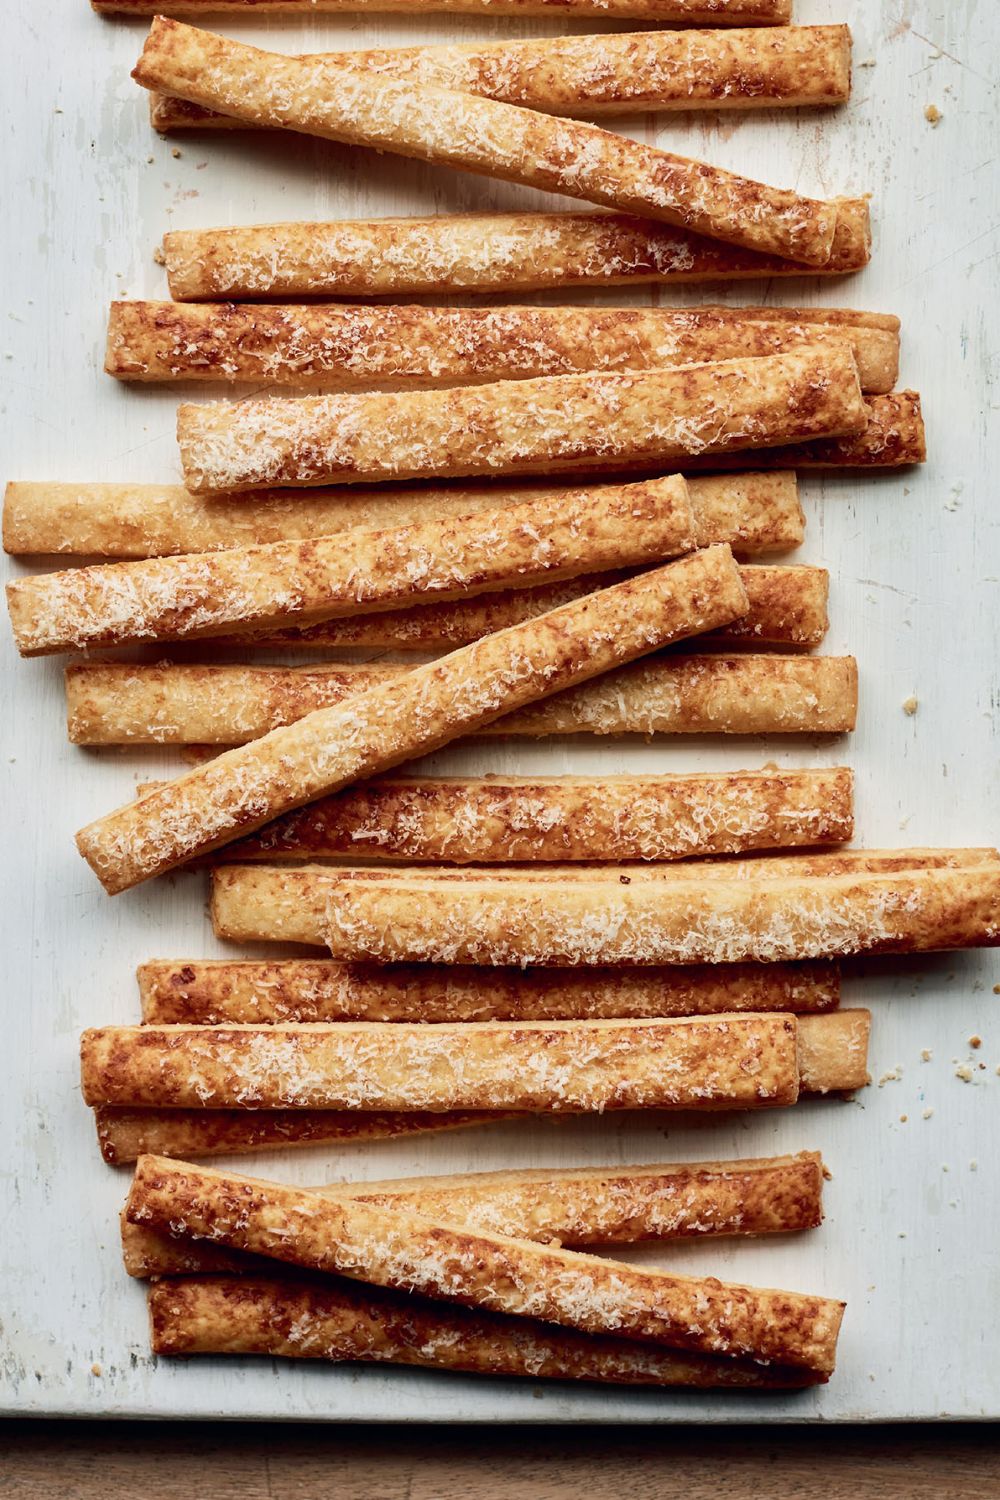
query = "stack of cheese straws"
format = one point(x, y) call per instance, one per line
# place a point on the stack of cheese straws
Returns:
point(553, 945)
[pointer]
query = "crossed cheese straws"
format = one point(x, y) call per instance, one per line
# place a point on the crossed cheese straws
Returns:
point(540, 946)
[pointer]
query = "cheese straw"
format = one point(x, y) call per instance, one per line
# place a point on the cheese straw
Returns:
point(484, 1269)
point(343, 103)
point(678, 12)
point(790, 66)
point(733, 1060)
point(116, 703)
point(218, 991)
point(299, 1319)
point(502, 820)
point(345, 348)
point(481, 252)
point(753, 512)
point(575, 1206)
point(553, 425)
point(408, 716)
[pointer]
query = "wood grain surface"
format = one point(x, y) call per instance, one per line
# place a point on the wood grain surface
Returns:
point(80, 1460)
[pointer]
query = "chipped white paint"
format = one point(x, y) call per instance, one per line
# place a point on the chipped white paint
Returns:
point(916, 574)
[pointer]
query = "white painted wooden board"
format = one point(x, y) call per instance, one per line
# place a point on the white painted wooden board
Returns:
point(914, 1204)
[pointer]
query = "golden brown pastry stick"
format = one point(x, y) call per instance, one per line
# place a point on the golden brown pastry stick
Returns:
point(574, 1206)
point(338, 102)
point(499, 820)
point(476, 253)
point(753, 512)
point(117, 703)
point(486, 1270)
point(558, 424)
point(210, 593)
point(679, 12)
point(787, 607)
point(302, 1319)
point(656, 922)
point(735, 1060)
point(410, 716)
point(126, 1134)
point(621, 74)
point(347, 348)
point(217, 991)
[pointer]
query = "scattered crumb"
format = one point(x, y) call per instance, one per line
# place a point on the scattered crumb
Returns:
point(943, 1167)
point(903, 1119)
point(996, 989)
point(928, 1113)
point(964, 1072)
point(975, 1042)
point(57, 111)
point(973, 1165)
point(150, 160)
point(158, 256)
point(175, 153)
point(926, 1054)
point(95, 1369)
point(893, 1076)
point(902, 1234)
point(910, 706)
point(932, 115)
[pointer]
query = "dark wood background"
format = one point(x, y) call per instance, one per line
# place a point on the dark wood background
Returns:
point(48, 1460)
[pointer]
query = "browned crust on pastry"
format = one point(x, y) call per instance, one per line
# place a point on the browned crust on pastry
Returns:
point(558, 424)
point(475, 253)
point(684, 12)
point(744, 1061)
point(207, 594)
point(372, 732)
point(575, 1206)
point(893, 438)
point(486, 1270)
point(112, 703)
point(221, 991)
point(498, 820)
point(338, 102)
point(674, 919)
point(754, 512)
point(787, 608)
point(296, 1318)
point(583, 76)
point(125, 1134)
point(344, 348)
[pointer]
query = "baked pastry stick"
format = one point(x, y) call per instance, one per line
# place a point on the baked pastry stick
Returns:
point(342, 103)
point(485, 1270)
point(345, 348)
point(208, 593)
point(787, 608)
point(117, 703)
point(489, 820)
point(734, 1060)
point(211, 992)
point(410, 716)
point(619, 74)
point(574, 1206)
point(754, 512)
point(679, 12)
point(310, 1319)
point(481, 252)
point(648, 922)
point(558, 424)
point(894, 437)
point(126, 1134)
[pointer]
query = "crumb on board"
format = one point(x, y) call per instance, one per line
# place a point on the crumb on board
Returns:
point(975, 1042)
point(973, 1165)
point(932, 115)
point(996, 989)
point(964, 1072)
point(176, 153)
point(928, 1113)
point(892, 1076)
point(158, 256)
point(95, 1369)
point(926, 1054)
point(910, 706)
point(903, 1119)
